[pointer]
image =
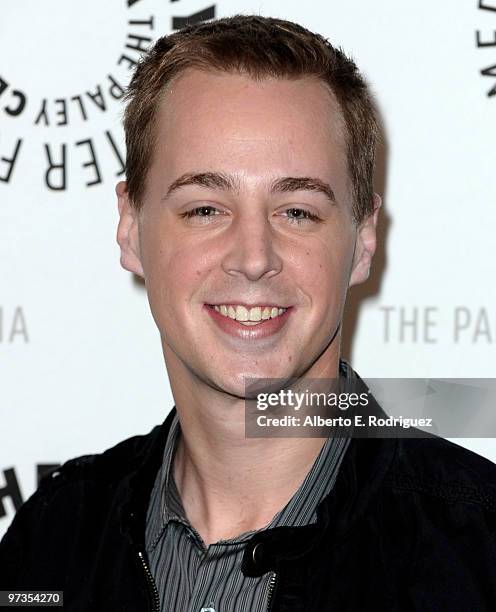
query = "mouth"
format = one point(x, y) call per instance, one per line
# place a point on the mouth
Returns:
point(249, 321)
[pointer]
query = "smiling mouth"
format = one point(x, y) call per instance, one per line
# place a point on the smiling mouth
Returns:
point(249, 317)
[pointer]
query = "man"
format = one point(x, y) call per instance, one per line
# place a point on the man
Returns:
point(249, 210)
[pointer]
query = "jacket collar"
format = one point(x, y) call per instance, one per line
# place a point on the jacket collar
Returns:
point(136, 487)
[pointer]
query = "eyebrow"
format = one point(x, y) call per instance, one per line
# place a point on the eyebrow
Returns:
point(305, 183)
point(227, 182)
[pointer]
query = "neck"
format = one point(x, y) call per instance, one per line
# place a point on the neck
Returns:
point(229, 483)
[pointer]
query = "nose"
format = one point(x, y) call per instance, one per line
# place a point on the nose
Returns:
point(251, 249)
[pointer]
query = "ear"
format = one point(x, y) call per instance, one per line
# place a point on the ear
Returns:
point(365, 245)
point(127, 231)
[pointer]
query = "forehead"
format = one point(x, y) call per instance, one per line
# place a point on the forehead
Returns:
point(226, 121)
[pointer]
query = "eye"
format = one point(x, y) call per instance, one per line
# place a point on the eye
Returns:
point(300, 215)
point(200, 211)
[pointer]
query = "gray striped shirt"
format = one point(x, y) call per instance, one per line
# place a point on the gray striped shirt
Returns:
point(193, 578)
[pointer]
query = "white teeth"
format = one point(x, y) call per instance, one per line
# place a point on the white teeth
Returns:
point(242, 314)
point(256, 314)
point(249, 316)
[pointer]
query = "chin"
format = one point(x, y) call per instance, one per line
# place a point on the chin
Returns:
point(236, 385)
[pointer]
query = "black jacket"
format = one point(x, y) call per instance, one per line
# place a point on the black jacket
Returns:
point(410, 525)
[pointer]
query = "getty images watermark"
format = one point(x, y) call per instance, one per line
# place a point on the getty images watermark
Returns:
point(375, 408)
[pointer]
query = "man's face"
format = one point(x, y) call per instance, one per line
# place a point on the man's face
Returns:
point(239, 230)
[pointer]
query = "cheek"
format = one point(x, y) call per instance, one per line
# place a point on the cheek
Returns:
point(173, 269)
point(324, 271)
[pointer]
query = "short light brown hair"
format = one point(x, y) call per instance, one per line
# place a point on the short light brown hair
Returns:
point(258, 47)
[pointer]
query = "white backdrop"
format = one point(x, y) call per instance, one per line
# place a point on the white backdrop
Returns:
point(81, 366)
